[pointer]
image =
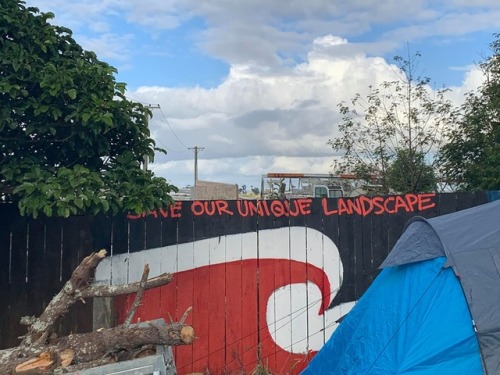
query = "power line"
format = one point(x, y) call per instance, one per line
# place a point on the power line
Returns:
point(172, 130)
point(157, 106)
point(138, 101)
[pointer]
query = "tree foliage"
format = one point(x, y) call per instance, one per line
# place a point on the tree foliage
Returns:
point(401, 181)
point(401, 122)
point(471, 158)
point(70, 141)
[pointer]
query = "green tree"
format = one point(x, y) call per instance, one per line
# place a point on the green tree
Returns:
point(402, 182)
point(471, 158)
point(401, 117)
point(70, 141)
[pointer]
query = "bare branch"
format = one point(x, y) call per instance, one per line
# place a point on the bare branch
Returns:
point(118, 290)
point(138, 296)
point(185, 315)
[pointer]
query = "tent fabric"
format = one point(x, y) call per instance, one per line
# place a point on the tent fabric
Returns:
point(418, 242)
point(471, 242)
point(460, 252)
point(412, 320)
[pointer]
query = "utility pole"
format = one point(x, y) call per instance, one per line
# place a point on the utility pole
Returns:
point(196, 149)
point(146, 159)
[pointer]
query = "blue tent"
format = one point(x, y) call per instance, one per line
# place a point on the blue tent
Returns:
point(434, 308)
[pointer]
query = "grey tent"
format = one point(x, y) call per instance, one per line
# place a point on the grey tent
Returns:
point(434, 308)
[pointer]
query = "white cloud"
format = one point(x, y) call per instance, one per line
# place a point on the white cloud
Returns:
point(476, 3)
point(450, 24)
point(255, 122)
point(290, 66)
point(108, 46)
point(473, 78)
point(271, 34)
point(82, 13)
point(220, 139)
point(154, 14)
point(99, 27)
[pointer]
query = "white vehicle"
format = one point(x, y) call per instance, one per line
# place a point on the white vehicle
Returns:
point(328, 191)
point(300, 185)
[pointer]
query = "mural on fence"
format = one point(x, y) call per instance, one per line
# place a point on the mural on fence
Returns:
point(362, 205)
point(264, 278)
point(267, 280)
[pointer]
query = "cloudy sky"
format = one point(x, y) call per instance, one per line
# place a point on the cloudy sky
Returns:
point(256, 83)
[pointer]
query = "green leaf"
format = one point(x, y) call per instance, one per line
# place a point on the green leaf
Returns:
point(85, 117)
point(47, 210)
point(108, 120)
point(79, 203)
point(71, 93)
point(121, 87)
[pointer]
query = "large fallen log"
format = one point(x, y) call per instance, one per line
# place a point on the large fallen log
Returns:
point(117, 343)
point(42, 353)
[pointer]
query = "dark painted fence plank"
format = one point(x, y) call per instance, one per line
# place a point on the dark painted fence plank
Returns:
point(368, 255)
point(18, 287)
point(137, 235)
point(103, 237)
point(379, 241)
point(53, 262)
point(118, 228)
point(233, 323)
point(447, 203)
point(7, 213)
point(346, 245)
point(249, 284)
point(217, 289)
point(184, 284)
point(153, 231)
point(315, 241)
point(359, 252)
point(153, 234)
point(38, 268)
point(77, 244)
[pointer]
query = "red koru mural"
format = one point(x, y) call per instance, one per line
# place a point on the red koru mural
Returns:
point(271, 296)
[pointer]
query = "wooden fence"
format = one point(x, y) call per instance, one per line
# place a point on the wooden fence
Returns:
point(268, 280)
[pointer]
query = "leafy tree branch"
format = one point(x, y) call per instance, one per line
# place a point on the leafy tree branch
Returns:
point(71, 142)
